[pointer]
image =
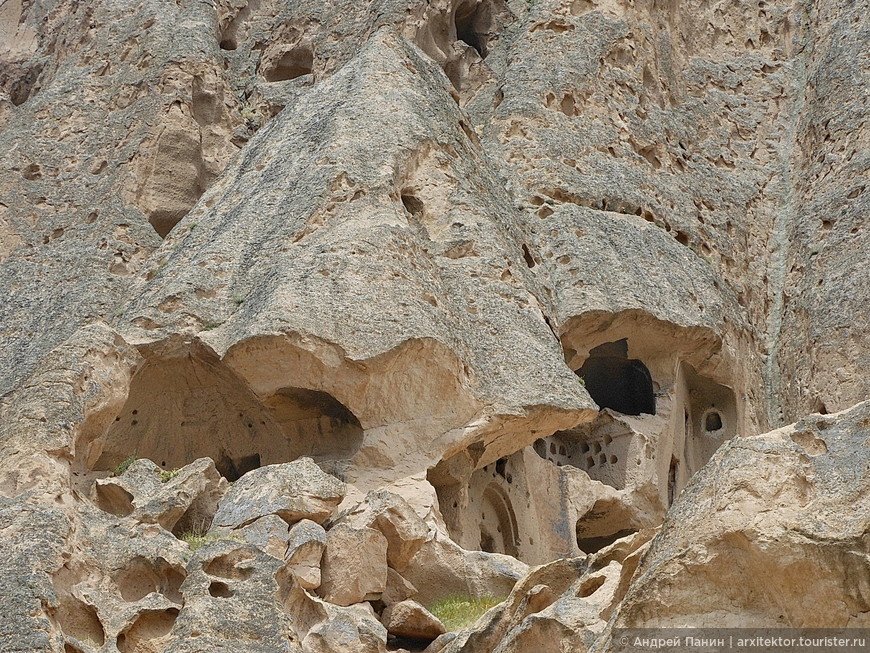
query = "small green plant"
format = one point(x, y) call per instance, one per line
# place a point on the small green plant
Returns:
point(168, 474)
point(248, 113)
point(251, 117)
point(208, 326)
point(582, 381)
point(198, 540)
point(120, 469)
point(238, 300)
point(457, 612)
point(199, 536)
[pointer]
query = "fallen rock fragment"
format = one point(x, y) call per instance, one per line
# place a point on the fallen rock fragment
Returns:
point(353, 629)
point(396, 520)
point(410, 619)
point(179, 500)
point(354, 566)
point(397, 589)
point(305, 546)
point(293, 491)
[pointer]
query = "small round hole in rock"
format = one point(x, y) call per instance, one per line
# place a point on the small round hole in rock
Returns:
point(220, 590)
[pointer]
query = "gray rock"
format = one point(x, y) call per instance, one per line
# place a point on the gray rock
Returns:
point(293, 491)
point(269, 534)
point(231, 602)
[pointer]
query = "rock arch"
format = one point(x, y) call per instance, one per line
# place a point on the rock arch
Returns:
point(188, 404)
point(498, 523)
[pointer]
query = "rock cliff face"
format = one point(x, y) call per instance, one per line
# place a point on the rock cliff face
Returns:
point(316, 313)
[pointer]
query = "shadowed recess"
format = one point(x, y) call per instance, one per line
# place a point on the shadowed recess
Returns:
point(191, 405)
point(617, 382)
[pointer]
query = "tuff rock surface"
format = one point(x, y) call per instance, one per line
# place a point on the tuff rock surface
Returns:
point(317, 313)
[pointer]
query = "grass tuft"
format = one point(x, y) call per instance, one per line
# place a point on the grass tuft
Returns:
point(457, 612)
point(168, 474)
point(120, 469)
point(199, 536)
point(198, 540)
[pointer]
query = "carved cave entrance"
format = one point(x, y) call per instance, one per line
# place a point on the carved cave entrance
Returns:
point(617, 382)
point(191, 405)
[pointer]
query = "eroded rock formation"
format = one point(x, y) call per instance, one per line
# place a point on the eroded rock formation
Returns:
point(317, 313)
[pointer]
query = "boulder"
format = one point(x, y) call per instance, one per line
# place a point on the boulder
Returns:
point(354, 566)
point(397, 589)
point(305, 546)
point(773, 528)
point(293, 491)
point(353, 629)
point(442, 568)
point(396, 520)
point(556, 605)
point(180, 500)
point(269, 534)
point(229, 605)
point(410, 619)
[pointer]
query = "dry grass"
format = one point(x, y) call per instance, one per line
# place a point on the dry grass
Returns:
point(457, 612)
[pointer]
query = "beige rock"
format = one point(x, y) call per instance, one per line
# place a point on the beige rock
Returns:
point(410, 619)
point(440, 642)
point(396, 520)
point(352, 629)
point(304, 551)
point(442, 568)
point(397, 589)
point(181, 500)
point(392, 241)
point(555, 607)
point(354, 566)
point(418, 396)
point(765, 535)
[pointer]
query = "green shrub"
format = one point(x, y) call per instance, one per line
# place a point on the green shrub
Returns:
point(457, 612)
point(120, 469)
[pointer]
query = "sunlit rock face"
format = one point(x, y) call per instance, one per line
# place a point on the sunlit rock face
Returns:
point(316, 314)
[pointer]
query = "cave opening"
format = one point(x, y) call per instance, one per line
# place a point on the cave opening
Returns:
point(190, 405)
point(617, 382)
point(498, 523)
point(467, 19)
point(295, 63)
point(473, 22)
point(605, 522)
point(712, 421)
point(591, 545)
